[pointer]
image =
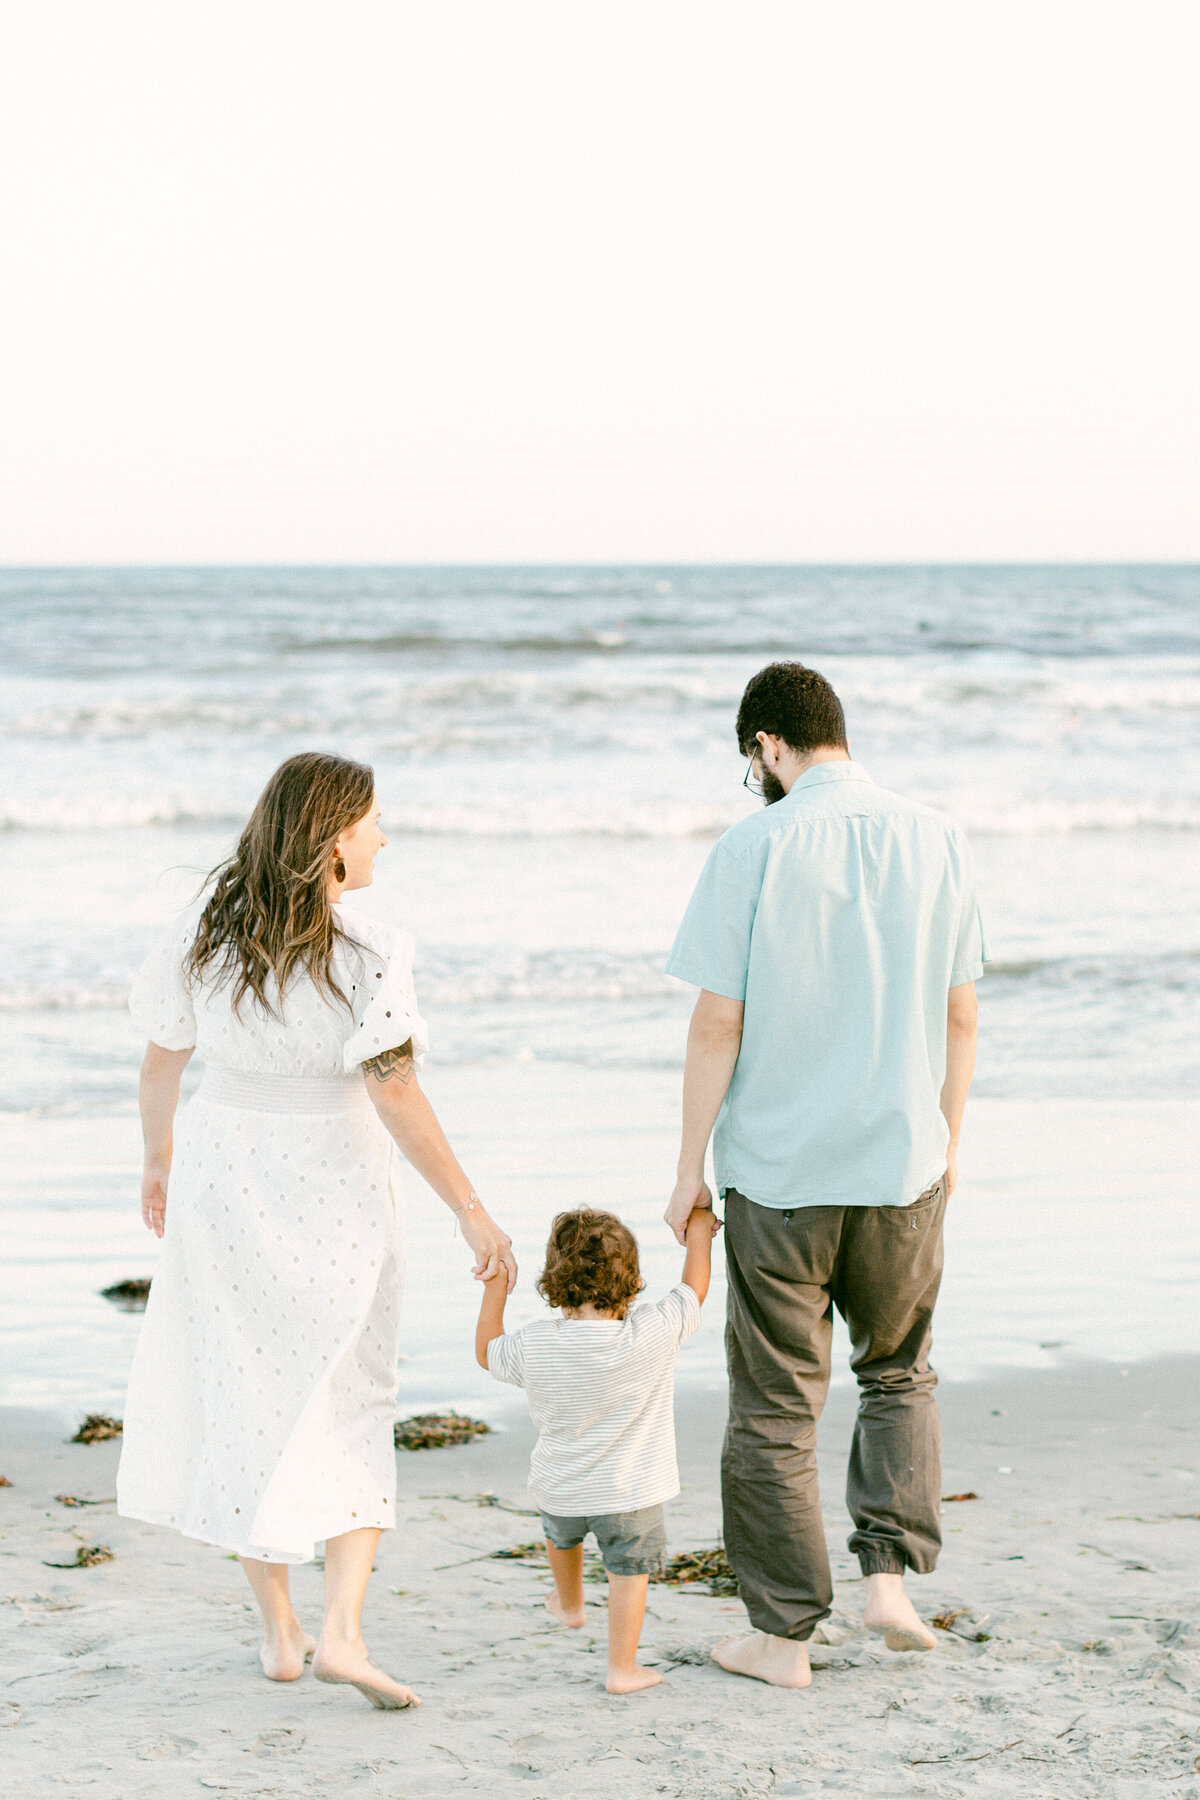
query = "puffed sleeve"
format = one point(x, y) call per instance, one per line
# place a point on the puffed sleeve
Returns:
point(384, 1001)
point(160, 999)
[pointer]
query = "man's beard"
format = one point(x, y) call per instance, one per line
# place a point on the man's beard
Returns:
point(772, 788)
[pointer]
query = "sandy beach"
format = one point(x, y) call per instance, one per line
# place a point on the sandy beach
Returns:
point(1072, 1666)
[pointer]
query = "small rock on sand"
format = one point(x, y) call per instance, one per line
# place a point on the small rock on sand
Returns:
point(130, 1296)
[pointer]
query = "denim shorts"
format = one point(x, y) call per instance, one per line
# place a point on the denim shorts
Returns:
point(631, 1543)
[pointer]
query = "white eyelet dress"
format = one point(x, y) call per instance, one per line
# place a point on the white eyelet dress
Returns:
point(262, 1395)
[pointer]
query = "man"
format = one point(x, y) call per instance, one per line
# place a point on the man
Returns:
point(836, 940)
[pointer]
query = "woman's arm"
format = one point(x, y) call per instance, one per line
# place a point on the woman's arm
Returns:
point(396, 1094)
point(158, 1097)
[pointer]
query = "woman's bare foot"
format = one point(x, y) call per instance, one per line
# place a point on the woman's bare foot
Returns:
point(891, 1615)
point(283, 1656)
point(781, 1661)
point(342, 1660)
point(572, 1616)
point(631, 1681)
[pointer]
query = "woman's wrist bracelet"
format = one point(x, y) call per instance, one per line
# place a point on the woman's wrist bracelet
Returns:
point(469, 1204)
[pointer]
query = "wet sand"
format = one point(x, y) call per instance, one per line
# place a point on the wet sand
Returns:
point(1079, 1562)
point(1072, 1224)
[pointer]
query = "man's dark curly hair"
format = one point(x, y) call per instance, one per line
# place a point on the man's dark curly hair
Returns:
point(787, 700)
point(591, 1259)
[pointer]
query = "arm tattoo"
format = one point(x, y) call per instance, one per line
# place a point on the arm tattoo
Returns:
point(397, 1064)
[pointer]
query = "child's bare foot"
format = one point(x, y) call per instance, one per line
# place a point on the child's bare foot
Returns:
point(631, 1681)
point(343, 1660)
point(781, 1661)
point(283, 1656)
point(891, 1615)
point(574, 1616)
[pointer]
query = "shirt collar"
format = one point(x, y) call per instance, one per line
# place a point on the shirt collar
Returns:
point(829, 771)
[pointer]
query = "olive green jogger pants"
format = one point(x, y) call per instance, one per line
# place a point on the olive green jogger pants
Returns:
point(881, 1267)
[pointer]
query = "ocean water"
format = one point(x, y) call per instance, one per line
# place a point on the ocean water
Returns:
point(555, 754)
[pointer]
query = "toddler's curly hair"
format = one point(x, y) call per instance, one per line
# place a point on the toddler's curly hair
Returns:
point(591, 1259)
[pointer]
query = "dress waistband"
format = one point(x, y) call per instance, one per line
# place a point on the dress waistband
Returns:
point(285, 1093)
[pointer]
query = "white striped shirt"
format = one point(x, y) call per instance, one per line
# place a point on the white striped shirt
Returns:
point(602, 1395)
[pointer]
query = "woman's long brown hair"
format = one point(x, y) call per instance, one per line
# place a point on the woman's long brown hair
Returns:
point(269, 913)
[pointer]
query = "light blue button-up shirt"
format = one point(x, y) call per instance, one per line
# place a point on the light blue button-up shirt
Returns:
point(842, 916)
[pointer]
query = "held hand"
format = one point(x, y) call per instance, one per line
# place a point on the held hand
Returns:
point(493, 1250)
point(154, 1199)
point(689, 1193)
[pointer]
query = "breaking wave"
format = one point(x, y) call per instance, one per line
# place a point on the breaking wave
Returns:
point(584, 815)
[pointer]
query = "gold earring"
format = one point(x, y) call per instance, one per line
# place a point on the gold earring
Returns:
point(339, 869)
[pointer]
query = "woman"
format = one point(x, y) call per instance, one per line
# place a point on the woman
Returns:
point(261, 1400)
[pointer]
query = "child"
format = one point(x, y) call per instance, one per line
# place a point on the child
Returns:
point(600, 1384)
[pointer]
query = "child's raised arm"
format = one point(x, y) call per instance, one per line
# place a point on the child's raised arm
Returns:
point(702, 1227)
point(491, 1315)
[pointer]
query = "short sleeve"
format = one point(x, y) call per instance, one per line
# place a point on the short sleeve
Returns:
point(681, 1310)
point(384, 1001)
point(506, 1358)
point(712, 946)
point(160, 999)
point(969, 947)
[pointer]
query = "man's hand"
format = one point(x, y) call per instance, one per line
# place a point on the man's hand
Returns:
point(154, 1199)
point(689, 1193)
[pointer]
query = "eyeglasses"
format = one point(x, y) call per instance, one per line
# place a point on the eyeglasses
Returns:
point(752, 782)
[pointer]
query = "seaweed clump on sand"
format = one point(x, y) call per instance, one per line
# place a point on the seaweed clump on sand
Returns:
point(689, 1567)
point(948, 1621)
point(711, 1566)
point(535, 1555)
point(4, 1481)
point(86, 1557)
point(96, 1427)
point(130, 1296)
point(433, 1431)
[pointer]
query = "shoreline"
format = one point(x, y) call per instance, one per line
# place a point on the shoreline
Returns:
point(1079, 1561)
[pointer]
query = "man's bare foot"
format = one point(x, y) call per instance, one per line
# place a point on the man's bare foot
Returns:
point(891, 1615)
point(631, 1681)
point(781, 1661)
point(348, 1662)
point(572, 1616)
point(283, 1657)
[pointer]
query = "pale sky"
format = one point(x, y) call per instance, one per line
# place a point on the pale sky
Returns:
point(505, 280)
